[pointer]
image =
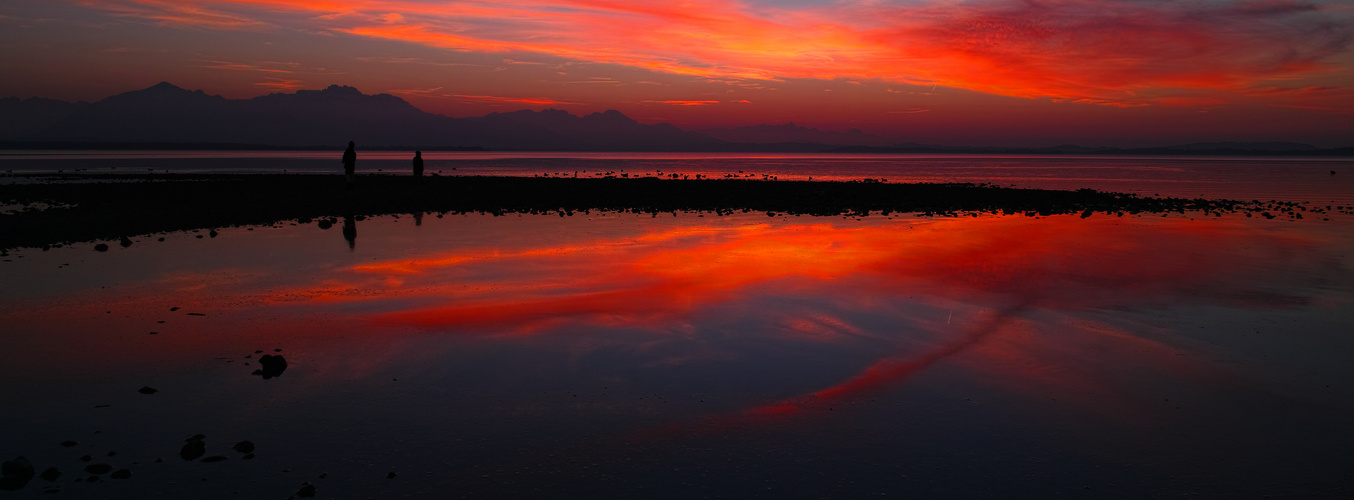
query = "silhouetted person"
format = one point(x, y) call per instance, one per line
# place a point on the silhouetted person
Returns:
point(350, 163)
point(350, 231)
point(418, 164)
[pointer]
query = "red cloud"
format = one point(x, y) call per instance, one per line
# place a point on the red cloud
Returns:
point(1112, 52)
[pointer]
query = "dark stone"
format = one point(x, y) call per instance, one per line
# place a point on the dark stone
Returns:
point(213, 233)
point(112, 453)
point(92, 479)
point(16, 474)
point(193, 449)
point(214, 458)
point(97, 469)
point(101, 247)
point(326, 223)
point(307, 490)
point(272, 366)
point(172, 309)
point(391, 475)
point(68, 443)
point(243, 447)
point(51, 474)
point(247, 456)
point(121, 474)
point(148, 390)
point(86, 458)
point(125, 242)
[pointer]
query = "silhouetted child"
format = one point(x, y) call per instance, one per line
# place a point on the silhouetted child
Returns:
point(350, 163)
point(418, 164)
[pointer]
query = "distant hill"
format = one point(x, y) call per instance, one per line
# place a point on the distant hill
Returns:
point(1245, 146)
point(165, 113)
point(1194, 149)
point(610, 130)
point(27, 117)
point(791, 133)
point(165, 116)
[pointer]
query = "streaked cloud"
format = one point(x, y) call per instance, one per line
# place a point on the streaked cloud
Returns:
point(1110, 52)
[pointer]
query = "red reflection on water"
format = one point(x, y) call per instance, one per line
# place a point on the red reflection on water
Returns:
point(1055, 263)
point(892, 370)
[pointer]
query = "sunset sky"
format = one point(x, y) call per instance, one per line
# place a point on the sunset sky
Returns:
point(975, 72)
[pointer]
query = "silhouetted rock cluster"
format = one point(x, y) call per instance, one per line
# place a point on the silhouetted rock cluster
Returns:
point(16, 473)
point(272, 366)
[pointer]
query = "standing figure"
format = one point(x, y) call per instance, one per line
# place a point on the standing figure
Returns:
point(418, 164)
point(350, 163)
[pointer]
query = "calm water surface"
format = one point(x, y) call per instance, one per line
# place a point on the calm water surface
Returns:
point(617, 355)
point(1249, 178)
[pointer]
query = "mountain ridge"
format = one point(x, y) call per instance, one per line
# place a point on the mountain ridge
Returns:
point(164, 115)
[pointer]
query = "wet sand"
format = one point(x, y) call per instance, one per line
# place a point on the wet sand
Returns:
point(86, 208)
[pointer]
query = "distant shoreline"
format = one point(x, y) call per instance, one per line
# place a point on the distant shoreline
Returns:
point(86, 207)
point(794, 147)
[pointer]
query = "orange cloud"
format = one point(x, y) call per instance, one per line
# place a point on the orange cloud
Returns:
point(281, 84)
point(685, 103)
point(1111, 52)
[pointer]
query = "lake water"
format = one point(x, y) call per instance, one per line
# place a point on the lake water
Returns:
point(630, 356)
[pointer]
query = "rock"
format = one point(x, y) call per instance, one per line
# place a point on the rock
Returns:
point(69, 443)
point(213, 233)
point(172, 309)
point(307, 490)
point(247, 456)
point(86, 458)
point(97, 469)
point(243, 447)
point(272, 366)
point(16, 474)
point(326, 223)
point(214, 458)
point(121, 474)
point(101, 247)
point(125, 242)
point(51, 474)
point(193, 449)
point(391, 475)
point(148, 390)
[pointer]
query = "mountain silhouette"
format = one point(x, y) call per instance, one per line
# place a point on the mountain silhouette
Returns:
point(167, 116)
point(791, 133)
point(27, 117)
point(610, 130)
point(165, 113)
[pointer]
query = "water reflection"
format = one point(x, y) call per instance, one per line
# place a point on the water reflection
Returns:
point(819, 338)
point(350, 230)
point(826, 283)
